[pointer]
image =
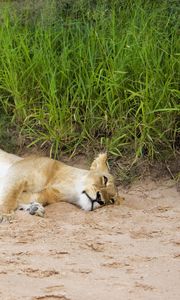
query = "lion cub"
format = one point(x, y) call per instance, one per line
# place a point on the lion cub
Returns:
point(34, 182)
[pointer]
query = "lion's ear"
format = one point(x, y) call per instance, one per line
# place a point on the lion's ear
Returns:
point(100, 163)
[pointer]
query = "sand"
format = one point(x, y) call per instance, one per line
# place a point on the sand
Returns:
point(127, 252)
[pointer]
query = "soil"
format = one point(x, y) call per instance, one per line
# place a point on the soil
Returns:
point(128, 252)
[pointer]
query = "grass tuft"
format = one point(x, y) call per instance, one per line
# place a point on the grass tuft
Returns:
point(105, 73)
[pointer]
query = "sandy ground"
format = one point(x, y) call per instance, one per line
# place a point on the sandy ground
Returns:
point(127, 252)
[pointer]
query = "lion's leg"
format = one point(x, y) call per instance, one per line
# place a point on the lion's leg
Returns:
point(46, 196)
point(34, 202)
point(8, 198)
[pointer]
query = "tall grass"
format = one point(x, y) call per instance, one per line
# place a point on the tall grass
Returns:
point(103, 73)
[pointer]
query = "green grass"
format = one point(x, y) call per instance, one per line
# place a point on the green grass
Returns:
point(104, 75)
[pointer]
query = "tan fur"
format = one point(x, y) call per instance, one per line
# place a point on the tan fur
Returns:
point(48, 181)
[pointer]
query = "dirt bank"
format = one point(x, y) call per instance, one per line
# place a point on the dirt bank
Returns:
point(127, 252)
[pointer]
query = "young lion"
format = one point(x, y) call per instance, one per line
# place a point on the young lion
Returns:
point(33, 182)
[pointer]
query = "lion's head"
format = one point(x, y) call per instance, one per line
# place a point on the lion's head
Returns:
point(99, 187)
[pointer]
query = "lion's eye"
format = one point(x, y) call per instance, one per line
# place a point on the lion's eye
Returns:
point(105, 180)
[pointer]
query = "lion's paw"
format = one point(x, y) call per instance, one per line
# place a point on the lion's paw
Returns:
point(34, 208)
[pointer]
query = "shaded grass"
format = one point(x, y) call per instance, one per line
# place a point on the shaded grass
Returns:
point(104, 75)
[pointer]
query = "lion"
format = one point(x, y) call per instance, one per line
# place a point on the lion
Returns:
point(33, 182)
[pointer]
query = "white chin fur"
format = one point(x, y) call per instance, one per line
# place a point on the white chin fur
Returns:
point(86, 204)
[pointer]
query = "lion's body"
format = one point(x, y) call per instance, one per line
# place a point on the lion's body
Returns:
point(6, 161)
point(44, 180)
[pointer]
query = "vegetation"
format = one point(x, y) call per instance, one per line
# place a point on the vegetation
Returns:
point(99, 73)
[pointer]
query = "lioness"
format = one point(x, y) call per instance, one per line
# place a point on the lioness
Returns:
point(34, 182)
